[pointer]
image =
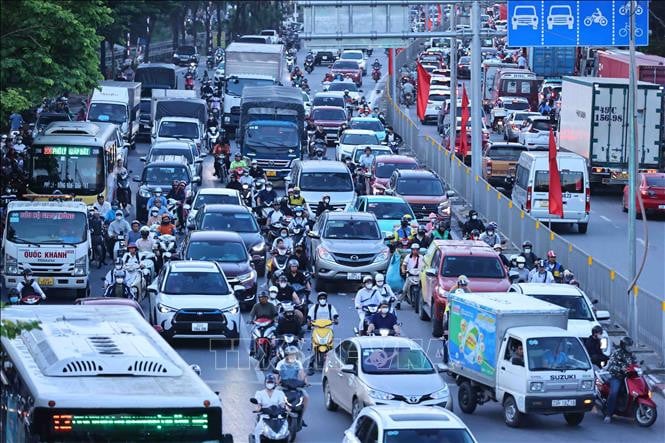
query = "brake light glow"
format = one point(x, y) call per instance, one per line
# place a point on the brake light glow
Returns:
point(587, 203)
point(527, 206)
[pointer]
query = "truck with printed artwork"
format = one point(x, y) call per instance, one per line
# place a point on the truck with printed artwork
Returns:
point(593, 124)
point(515, 350)
point(53, 239)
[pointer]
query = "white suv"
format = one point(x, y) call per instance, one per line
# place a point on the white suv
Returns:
point(410, 424)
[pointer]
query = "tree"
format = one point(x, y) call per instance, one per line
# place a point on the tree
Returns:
point(48, 47)
point(11, 328)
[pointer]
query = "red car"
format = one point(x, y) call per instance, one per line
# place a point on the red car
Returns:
point(445, 142)
point(348, 69)
point(444, 262)
point(652, 190)
point(383, 168)
point(330, 118)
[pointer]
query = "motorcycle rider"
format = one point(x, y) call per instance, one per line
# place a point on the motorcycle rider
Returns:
point(133, 233)
point(290, 322)
point(290, 368)
point(527, 253)
point(490, 236)
point(408, 89)
point(322, 309)
point(520, 270)
point(299, 219)
point(621, 358)
point(472, 223)
point(276, 215)
point(376, 64)
point(263, 309)
point(367, 159)
point(392, 137)
point(146, 243)
point(324, 205)
point(154, 217)
point(267, 195)
point(295, 277)
point(383, 319)
point(101, 205)
point(411, 264)
point(165, 226)
point(180, 195)
point(554, 267)
point(257, 172)
point(286, 293)
point(441, 232)
point(234, 183)
point(422, 238)
point(367, 295)
point(238, 162)
point(267, 398)
point(119, 226)
point(283, 239)
point(499, 250)
point(592, 345)
point(97, 235)
point(157, 195)
point(296, 200)
point(319, 135)
point(343, 127)
point(29, 285)
point(540, 274)
point(404, 231)
point(384, 291)
point(119, 288)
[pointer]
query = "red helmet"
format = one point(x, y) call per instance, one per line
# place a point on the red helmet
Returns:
point(551, 254)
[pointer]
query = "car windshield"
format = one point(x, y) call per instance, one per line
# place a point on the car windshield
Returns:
point(656, 181)
point(47, 227)
point(577, 307)
point(345, 64)
point(199, 283)
point(341, 86)
point(352, 56)
point(186, 50)
point(236, 222)
point(389, 210)
point(359, 139)
point(328, 101)
point(222, 251)
point(164, 175)
point(511, 153)
point(44, 120)
point(326, 181)
point(234, 86)
point(179, 130)
point(395, 361)
point(556, 354)
point(424, 435)
point(464, 61)
point(472, 266)
point(541, 125)
point(385, 170)
point(271, 136)
point(571, 181)
point(184, 152)
point(332, 114)
point(560, 10)
point(419, 186)
point(352, 230)
point(516, 105)
point(370, 125)
point(210, 199)
point(108, 113)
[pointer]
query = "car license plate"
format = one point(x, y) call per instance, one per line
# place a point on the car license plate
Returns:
point(325, 57)
point(45, 281)
point(353, 276)
point(270, 173)
point(543, 203)
point(661, 206)
point(563, 403)
point(199, 327)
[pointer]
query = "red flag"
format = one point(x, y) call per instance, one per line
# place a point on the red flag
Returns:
point(555, 197)
point(463, 141)
point(429, 24)
point(391, 53)
point(439, 15)
point(422, 91)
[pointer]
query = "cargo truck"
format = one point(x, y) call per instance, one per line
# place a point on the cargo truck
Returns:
point(593, 124)
point(117, 102)
point(553, 61)
point(615, 64)
point(271, 127)
point(181, 113)
point(156, 76)
point(249, 64)
point(515, 350)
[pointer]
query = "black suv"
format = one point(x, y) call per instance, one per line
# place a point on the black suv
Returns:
point(238, 219)
point(422, 189)
point(185, 55)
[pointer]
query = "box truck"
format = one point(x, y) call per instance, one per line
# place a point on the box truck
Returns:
point(117, 102)
point(553, 61)
point(615, 64)
point(593, 124)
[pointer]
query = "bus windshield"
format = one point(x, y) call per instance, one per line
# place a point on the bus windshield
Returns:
point(53, 227)
point(76, 169)
point(107, 113)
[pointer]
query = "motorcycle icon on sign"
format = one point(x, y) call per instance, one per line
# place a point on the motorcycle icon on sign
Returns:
point(596, 17)
point(625, 9)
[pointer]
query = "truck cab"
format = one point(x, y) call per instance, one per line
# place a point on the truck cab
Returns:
point(117, 102)
point(179, 128)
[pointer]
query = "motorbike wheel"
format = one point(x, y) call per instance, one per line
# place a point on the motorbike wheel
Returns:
point(293, 428)
point(263, 357)
point(415, 296)
point(573, 418)
point(645, 416)
point(320, 358)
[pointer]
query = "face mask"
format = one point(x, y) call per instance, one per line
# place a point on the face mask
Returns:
point(118, 267)
point(474, 217)
point(296, 194)
point(326, 200)
point(283, 234)
point(119, 280)
point(379, 283)
point(384, 310)
point(268, 188)
point(270, 386)
point(298, 214)
point(490, 232)
point(118, 217)
point(291, 358)
point(520, 265)
point(368, 285)
point(527, 250)
point(322, 302)
point(273, 295)
point(282, 285)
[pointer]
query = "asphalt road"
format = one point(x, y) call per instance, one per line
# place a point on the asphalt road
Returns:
point(234, 375)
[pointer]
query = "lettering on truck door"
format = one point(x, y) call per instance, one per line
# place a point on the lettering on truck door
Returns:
point(612, 129)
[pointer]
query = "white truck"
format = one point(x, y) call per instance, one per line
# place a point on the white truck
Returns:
point(161, 94)
point(515, 350)
point(117, 102)
point(249, 64)
point(53, 239)
point(593, 124)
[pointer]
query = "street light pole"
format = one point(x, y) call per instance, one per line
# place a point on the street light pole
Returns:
point(453, 83)
point(476, 133)
point(632, 169)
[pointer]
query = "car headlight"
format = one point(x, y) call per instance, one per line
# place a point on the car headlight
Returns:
point(227, 119)
point(144, 192)
point(11, 265)
point(379, 395)
point(233, 310)
point(165, 309)
point(246, 277)
point(382, 256)
point(259, 247)
point(175, 55)
point(604, 343)
point(324, 254)
point(81, 265)
point(587, 385)
point(536, 386)
point(441, 393)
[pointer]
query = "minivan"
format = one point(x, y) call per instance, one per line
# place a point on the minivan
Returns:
point(317, 178)
point(531, 188)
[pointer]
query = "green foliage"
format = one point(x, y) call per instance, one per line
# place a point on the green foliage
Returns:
point(48, 47)
point(11, 329)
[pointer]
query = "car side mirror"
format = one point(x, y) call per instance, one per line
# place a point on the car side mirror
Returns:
point(198, 161)
point(137, 179)
point(603, 315)
point(143, 159)
point(430, 272)
point(389, 237)
point(191, 226)
point(253, 401)
point(313, 234)
point(348, 369)
point(238, 288)
point(196, 180)
point(450, 194)
point(442, 367)
point(389, 191)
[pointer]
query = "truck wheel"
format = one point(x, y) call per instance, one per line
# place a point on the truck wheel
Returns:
point(466, 397)
point(511, 414)
point(573, 418)
point(582, 227)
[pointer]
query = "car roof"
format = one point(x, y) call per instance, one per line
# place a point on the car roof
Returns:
point(394, 159)
point(193, 266)
point(549, 289)
point(340, 215)
point(415, 173)
point(465, 247)
point(109, 301)
point(218, 207)
point(218, 191)
point(360, 131)
point(323, 166)
point(365, 119)
point(415, 417)
point(326, 107)
point(167, 160)
point(226, 236)
point(384, 199)
point(172, 144)
point(515, 99)
point(373, 341)
point(335, 94)
point(538, 118)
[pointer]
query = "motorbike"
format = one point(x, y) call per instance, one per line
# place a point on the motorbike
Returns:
point(135, 280)
point(414, 289)
point(284, 342)
point(119, 247)
point(276, 264)
point(210, 62)
point(212, 136)
point(167, 248)
point(273, 233)
point(124, 193)
point(16, 298)
point(634, 399)
point(322, 340)
point(263, 334)
point(304, 87)
point(309, 66)
point(294, 399)
point(148, 262)
point(317, 149)
point(376, 74)
point(367, 312)
point(408, 99)
point(275, 424)
point(394, 147)
point(247, 196)
point(290, 62)
point(498, 125)
point(364, 181)
point(189, 81)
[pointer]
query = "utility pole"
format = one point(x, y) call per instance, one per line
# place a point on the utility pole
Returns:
point(453, 82)
point(632, 169)
point(476, 133)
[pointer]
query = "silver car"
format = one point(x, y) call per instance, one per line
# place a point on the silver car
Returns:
point(347, 246)
point(367, 371)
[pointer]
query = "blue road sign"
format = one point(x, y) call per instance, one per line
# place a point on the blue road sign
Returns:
point(575, 23)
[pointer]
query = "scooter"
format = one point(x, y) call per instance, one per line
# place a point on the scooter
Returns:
point(134, 279)
point(284, 342)
point(212, 136)
point(309, 66)
point(274, 424)
point(367, 312)
point(290, 62)
point(263, 334)
point(16, 298)
point(148, 262)
point(322, 340)
point(189, 81)
point(276, 263)
point(376, 74)
point(295, 400)
point(167, 248)
point(414, 289)
point(119, 247)
point(634, 399)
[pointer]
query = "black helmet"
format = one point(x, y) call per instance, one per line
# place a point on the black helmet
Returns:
point(527, 244)
point(596, 330)
point(27, 271)
point(473, 212)
point(626, 343)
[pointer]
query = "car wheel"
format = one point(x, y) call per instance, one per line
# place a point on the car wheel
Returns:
point(356, 407)
point(466, 397)
point(511, 414)
point(582, 227)
point(573, 418)
point(327, 396)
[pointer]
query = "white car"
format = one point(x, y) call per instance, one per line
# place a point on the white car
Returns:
point(435, 101)
point(410, 424)
point(582, 316)
point(345, 85)
point(524, 15)
point(352, 138)
point(560, 15)
point(213, 196)
point(535, 132)
point(504, 105)
point(192, 299)
point(356, 56)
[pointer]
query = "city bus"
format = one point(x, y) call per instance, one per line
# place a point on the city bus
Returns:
point(75, 158)
point(96, 373)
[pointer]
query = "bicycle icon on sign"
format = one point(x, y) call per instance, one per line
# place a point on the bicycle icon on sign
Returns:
point(625, 10)
point(625, 31)
point(596, 17)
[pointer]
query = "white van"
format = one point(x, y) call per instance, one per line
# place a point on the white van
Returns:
point(530, 191)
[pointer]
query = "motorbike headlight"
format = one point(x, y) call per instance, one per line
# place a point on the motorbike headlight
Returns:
point(246, 277)
point(323, 340)
point(379, 395)
point(536, 386)
point(604, 342)
point(233, 310)
point(259, 247)
point(382, 256)
point(11, 265)
point(144, 192)
point(441, 393)
point(587, 385)
point(165, 309)
point(324, 254)
point(81, 265)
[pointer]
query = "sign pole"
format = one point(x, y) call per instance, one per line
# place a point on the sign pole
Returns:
point(452, 122)
point(476, 133)
point(632, 170)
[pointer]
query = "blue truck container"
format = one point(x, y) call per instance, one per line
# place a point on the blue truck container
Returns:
point(553, 61)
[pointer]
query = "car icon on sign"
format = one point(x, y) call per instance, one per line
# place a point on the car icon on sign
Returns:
point(560, 15)
point(524, 16)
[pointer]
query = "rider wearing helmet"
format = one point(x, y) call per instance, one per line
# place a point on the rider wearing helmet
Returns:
point(384, 291)
point(491, 236)
point(412, 265)
point(554, 266)
point(472, 223)
point(296, 277)
point(165, 226)
point(291, 368)
point(527, 253)
point(442, 231)
point(296, 199)
point(540, 274)
point(145, 243)
point(618, 363)
point(299, 218)
point(594, 346)
point(267, 398)
point(422, 238)
point(134, 233)
point(367, 295)
point(383, 319)
point(29, 285)
point(156, 195)
point(238, 162)
point(324, 205)
point(520, 270)
point(119, 288)
point(404, 231)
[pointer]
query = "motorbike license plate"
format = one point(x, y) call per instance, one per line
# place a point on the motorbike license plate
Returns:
point(270, 173)
point(45, 281)
point(199, 327)
point(353, 276)
point(324, 57)
point(563, 403)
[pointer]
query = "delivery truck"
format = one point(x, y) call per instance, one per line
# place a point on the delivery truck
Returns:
point(553, 61)
point(515, 350)
point(117, 102)
point(163, 94)
point(249, 64)
point(156, 76)
point(616, 64)
point(593, 124)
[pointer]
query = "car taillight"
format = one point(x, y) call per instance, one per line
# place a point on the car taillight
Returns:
point(488, 167)
point(587, 202)
point(527, 206)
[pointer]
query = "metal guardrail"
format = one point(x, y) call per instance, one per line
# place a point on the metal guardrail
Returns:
point(158, 50)
point(600, 282)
